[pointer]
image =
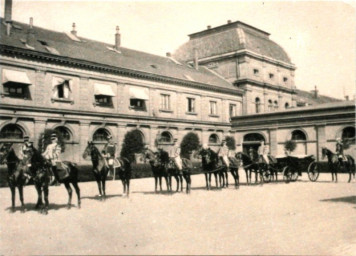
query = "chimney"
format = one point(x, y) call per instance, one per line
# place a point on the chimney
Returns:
point(316, 92)
point(117, 38)
point(347, 97)
point(74, 32)
point(196, 64)
point(229, 21)
point(168, 54)
point(208, 27)
point(8, 13)
point(31, 35)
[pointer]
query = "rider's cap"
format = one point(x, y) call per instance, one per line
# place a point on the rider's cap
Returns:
point(53, 136)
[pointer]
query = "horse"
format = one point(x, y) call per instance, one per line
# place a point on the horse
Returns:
point(178, 175)
point(100, 170)
point(40, 169)
point(234, 170)
point(210, 164)
point(335, 165)
point(16, 178)
point(159, 161)
point(250, 166)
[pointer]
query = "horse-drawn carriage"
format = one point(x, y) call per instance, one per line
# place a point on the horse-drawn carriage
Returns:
point(292, 167)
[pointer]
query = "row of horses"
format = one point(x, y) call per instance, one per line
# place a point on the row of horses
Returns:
point(161, 164)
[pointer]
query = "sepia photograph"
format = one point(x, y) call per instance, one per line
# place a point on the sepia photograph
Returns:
point(177, 127)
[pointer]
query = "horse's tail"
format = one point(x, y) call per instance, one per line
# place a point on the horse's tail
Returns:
point(351, 161)
point(73, 169)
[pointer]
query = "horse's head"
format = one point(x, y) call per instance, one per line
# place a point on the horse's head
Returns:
point(5, 150)
point(89, 149)
point(325, 152)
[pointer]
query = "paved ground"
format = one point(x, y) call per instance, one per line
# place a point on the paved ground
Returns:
point(300, 218)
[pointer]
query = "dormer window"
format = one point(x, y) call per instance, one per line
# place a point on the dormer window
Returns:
point(271, 76)
point(15, 84)
point(285, 79)
point(256, 71)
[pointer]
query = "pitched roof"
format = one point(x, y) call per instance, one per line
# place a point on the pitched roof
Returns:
point(309, 99)
point(61, 44)
point(231, 38)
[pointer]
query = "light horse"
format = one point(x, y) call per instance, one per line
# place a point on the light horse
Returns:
point(335, 165)
point(210, 164)
point(158, 162)
point(100, 169)
point(15, 169)
point(178, 175)
point(250, 166)
point(40, 169)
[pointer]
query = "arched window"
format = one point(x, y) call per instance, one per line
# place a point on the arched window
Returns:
point(298, 135)
point(214, 139)
point(348, 134)
point(66, 135)
point(253, 137)
point(165, 137)
point(101, 135)
point(286, 105)
point(258, 105)
point(270, 105)
point(11, 131)
point(275, 104)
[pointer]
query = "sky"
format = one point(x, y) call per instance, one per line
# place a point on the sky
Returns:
point(319, 36)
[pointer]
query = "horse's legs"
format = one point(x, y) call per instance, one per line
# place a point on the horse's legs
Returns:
point(206, 180)
point(77, 191)
point(227, 177)
point(70, 192)
point(20, 188)
point(160, 182)
point(39, 194)
point(216, 179)
point(103, 184)
point(97, 178)
point(156, 181)
point(127, 187)
point(177, 181)
point(167, 183)
point(13, 196)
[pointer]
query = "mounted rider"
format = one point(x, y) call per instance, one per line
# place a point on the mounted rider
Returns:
point(52, 153)
point(26, 152)
point(109, 153)
point(263, 152)
point(340, 150)
point(223, 153)
point(177, 158)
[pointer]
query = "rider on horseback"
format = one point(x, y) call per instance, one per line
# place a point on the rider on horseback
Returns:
point(26, 151)
point(340, 150)
point(109, 152)
point(177, 159)
point(52, 153)
point(223, 153)
point(263, 152)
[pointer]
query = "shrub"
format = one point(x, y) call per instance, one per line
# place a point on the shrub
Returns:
point(132, 144)
point(290, 146)
point(45, 139)
point(230, 142)
point(189, 143)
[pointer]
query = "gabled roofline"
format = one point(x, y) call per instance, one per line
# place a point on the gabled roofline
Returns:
point(62, 60)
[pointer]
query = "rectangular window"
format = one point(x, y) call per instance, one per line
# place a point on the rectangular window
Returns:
point(191, 105)
point(138, 104)
point(271, 76)
point(165, 102)
point(103, 100)
point(62, 90)
point(15, 84)
point(15, 90)
point(213, 108)
point(285, 79)
point(256, 71)
point(232, 110)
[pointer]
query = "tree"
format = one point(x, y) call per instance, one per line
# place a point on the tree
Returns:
point(133, 143)
point(289, 146)
point(230, 142)
point(45, 139)
point(189, 143)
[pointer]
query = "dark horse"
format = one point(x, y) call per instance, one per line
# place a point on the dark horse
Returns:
point(210, 164)
point(335, 165)
point(100, 169)
point(40, 169)
point(178, 175)
point(159, 161)
point(16, 169)
point(250, 166)
point(234, 170)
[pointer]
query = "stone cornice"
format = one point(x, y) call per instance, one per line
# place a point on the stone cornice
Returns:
point(62, 60)
point(263, 85)
point(90, 114)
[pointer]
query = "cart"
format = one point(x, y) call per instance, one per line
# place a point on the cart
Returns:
point(292, 167)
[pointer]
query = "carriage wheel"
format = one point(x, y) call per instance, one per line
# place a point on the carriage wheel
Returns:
point(313, 171)
point(287, 174)
point(294, 176)
point(267, 176)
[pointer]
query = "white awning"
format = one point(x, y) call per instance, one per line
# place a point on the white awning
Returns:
point(139, 93)
point(15, 77)
point(103, 89)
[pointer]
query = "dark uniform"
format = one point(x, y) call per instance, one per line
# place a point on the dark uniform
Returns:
point(109, 152)
point(340, 151)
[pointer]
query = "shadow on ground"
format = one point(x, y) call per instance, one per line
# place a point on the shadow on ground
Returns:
point(30, 207)
point(346, 199)
point(100, 198)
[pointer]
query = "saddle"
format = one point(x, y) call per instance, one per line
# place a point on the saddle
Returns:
point(187, 164)
point(63, 170)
